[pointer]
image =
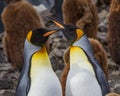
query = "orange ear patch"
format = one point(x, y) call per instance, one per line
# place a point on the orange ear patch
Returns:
point(79, 33)
point(29, 35)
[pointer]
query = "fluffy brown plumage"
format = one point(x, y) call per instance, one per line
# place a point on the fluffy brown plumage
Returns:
point(113, 37)
point(19, 17)
point(99, 54)
point(82, 13)
point(113, 94)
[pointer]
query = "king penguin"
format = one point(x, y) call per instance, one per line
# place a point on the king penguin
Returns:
point(37, 77)
point(85, 77)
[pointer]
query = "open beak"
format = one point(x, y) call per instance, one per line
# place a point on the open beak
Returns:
point(51, 32)
point(57, 23)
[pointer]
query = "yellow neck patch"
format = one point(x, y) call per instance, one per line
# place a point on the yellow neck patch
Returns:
point(29, 35)
point(77, 56)
point(79, 34)
point(40, 61)
point(41, 58)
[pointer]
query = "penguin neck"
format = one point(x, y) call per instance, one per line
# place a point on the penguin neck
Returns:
point(84, 43)
point(29, 49)
point(79, 58)
point(40, 59)
point(33, 57)
point(40, 64)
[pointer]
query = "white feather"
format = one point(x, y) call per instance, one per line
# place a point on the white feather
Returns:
point(43, 80)
point(45, 83)
point(81, 82)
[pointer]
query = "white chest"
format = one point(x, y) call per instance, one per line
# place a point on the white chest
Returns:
point(81, 82)
point(45, 83)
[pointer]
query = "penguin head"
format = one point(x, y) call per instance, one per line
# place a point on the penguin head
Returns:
point(38, 37)
point(71, 32)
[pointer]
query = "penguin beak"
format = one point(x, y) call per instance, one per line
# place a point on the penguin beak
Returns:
point(51, 32)
point(59, 24)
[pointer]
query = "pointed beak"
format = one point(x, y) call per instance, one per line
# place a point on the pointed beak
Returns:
point(51, 32)
point(57, 23)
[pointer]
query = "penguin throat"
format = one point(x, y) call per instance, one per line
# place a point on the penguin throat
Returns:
point(79, 58)
point(40, 58)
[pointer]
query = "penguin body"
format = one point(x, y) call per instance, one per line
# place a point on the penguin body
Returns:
point(99, 76)
point(80, 73)
point(99, 54)
point(45, 76)
point(83, 14)
point(113, 35)
point(18, 18)
point(37, 77)
point(77, 38)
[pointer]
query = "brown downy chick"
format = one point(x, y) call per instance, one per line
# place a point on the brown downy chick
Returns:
point(19, 17)
point(113, 94)
point(99, 54)
point(113, 37)
point(83, 14)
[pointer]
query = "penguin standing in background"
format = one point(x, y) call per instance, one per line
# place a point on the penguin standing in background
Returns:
point(37, 77)
point(85, 77)
point(113, 34)
point(84, 15)
point(18, 18)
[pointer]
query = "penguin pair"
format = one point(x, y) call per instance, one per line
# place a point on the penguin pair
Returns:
point(37, 77)
point(85, 76)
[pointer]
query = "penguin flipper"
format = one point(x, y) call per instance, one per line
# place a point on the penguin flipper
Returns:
point(23, 87)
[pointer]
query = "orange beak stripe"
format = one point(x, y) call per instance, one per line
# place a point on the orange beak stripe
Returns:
point(49, 33)
point(58, 24)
